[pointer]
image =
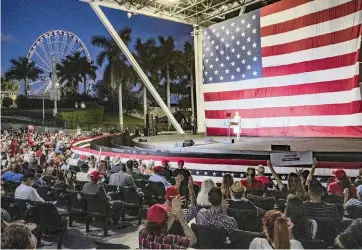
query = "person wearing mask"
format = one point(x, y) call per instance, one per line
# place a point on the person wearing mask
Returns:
point(237, 198)
point(14, 174)
point(352, 237)
point(160, 218)
point(227, 182)
point(251, 182)
point(278, 231)
point(25, 190)
point(186, 177)
point(216, 215)
point(93, 187)
point(303, 229)
point(119, 177)
point(315, 208)
point(342, 182)
point(268, 183)
point(131, 171)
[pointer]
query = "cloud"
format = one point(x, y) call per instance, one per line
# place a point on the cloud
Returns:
point(7, 38)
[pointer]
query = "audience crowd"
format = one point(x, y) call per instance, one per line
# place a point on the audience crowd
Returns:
point(275, 215)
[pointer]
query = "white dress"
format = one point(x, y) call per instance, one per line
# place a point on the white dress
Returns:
point(237, 128)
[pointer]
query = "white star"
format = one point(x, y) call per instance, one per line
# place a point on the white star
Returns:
point(254, 31)
point(221, 52)
point(232, 77)
point(232, 24)
point(249, 39)
point(215, 72)
point(241, 175)
point(211, 66)
point(222, 27)
point(237, 29)
point(248, 67)
point(222, 173)
point(205, 33)
point(204, 44)
point(212, 54)
point(227, 58)
point(197, 172)
point(227, 71)
point(221, 78)
point(243, 21)
point(249, 53)
point(212, 41)
point(255, 73)
point(210, 79)
point(208, 38)
point(319, 178)
point(205, 173)
point(217, 59)
point(238, 42)
point(227, 32)
point(254, 45)
point(243, 75)
point(214, 174)
point(272, 177)
point(232, 50)
point(243, 48)
point(207, 49)
point(283, 177)
point(255, 58)
point(254, 16)
point(217, 47)
point(227, 45)
point(237, 69)
point(217, 34)
point(222, 65)
point(206, 60)
point(238, 56)
point(232, 174)
point(248, 25)
point(205, 73)
point(232, 63)
point(222, 39)
point(233, 37)
point(243, 34)
point(213, 30)
point(243, 61)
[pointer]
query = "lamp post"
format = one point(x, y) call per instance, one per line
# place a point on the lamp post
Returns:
point(55, 90)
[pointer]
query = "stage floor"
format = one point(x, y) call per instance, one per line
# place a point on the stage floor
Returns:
point(167, 141)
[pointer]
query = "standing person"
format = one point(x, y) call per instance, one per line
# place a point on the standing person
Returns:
point(193, 124)
point(251, 182)
point(160, 218)
point(268, 183)
point(227, 182)
point(237, 128)
point(278, 231)
point(187, 177)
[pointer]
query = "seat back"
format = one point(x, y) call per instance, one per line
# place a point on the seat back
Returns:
point(49, 180)
point(327, 230)
point(241, 239)
point(129, 195)
point(45, 192)
point(266, 203)
point(354, 212)
point(113, 191)
point(254, 192)
point(96, 206)
point(10, 186)
point(78, 185)
point(334, 198)
point(8, 203)
point(313, 244)
point(49, 218)
point(246, 219)
point(27, 210)
point(276, 193)
point(77, 202)
point(61, 196)
point(209, 237)
point(157, 190)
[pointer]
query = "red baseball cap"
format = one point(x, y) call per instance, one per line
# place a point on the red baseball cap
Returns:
point(95, 175)
point(82, 157)
point(158, 169)
point(339, 173)
point(38, 153)
point(165, 161)
point(181, 162)
point(158, 213)
point(172, 192)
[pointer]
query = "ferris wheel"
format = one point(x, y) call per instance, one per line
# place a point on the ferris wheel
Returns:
point(57, 44)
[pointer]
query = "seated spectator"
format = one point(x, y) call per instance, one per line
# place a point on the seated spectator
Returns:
point(186, 177)
point(149, 165)
point(315, 208)
point(216, 215)
point(237, 198)
point(14, 174)
point(167, 173)
point(268, 183)
point(130, 170)
point(250, 182)
point(227, 182)
point(350, 201)
point(342, 182)
point(62, 182)
point(358, 180)
point(155, 234)
point(157, 176)
point(25, 190)
point(352, 237)
point(83, 174)
point(18, 235)
point(119, 177)
point(38, 181)
point(278, 231)
point(202, 199)
point(93, 187)
point(303, 229)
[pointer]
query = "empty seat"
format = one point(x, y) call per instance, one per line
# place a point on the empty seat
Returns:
point(132, 201)
point(77, 205)
point(158, 191)
point(241, 239)
point(45, 192)
point(209, 237)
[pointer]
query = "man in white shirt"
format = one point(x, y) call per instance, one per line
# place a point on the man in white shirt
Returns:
point(25, 191)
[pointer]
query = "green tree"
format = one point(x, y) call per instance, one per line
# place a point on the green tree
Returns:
point(23, 70)
point(9, 85)
point(67, 71)
point(189, 64)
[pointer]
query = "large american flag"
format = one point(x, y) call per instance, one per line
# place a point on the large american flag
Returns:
point(289, 69)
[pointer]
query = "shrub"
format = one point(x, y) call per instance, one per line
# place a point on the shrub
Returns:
point(7, 102)
point(22, 101)
point(92, 114)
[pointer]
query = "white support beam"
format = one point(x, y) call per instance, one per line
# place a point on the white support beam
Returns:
point(198, 80)
point(135, 65)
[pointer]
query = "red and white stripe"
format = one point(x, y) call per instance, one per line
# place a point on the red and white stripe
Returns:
point(310, 84)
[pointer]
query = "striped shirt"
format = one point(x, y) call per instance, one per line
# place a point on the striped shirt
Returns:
point(321, 210)
point(353, 202)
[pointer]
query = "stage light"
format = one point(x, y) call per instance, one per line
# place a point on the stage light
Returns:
point(129, 15)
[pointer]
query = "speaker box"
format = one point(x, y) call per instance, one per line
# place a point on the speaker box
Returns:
point(142, 140)
point(188, 143)
point(280, 147)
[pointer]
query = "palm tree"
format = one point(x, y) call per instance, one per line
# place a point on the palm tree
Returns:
point(189, 63)
point(68, 73)
point(23, 69)
point(146, 57)
point(86, 69)
point(117, 71)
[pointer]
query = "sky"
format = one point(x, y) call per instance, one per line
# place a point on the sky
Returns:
point(23, 21)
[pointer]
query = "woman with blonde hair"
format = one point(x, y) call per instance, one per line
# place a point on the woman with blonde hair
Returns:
point(278, 231)
point(202, 199)
point(227, 182)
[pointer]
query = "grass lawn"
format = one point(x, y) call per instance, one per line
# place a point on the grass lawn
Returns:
point(128, 120)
